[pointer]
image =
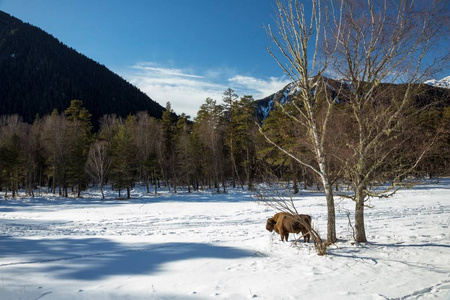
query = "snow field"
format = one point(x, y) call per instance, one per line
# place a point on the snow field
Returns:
point(209, 246)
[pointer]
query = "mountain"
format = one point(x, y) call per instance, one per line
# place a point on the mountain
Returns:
point(266, 105)
point(443, 83)
point(38, 74)
point(427, 93)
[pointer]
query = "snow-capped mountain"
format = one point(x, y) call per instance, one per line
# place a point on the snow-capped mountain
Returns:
point(443, 83)
point(432, 90)
point(267, 104)
point(283, 96)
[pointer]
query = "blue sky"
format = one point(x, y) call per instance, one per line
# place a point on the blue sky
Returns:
point(180, 51)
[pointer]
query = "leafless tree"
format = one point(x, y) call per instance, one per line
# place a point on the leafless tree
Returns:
point(99, 162)
point(146, 136)
point(34, 156)
point(298, 41)
point(57, 142)
point(382, 41)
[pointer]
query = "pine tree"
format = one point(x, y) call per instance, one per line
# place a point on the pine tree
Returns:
point(245, 132)
point(185, 166)
point(12, 164)
point(168, 131)
point(282, 130)
point(123, 158)
point(80, 130)
point(210, 130)
point(230, 110)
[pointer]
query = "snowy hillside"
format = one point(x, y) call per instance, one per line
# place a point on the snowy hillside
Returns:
point(443, 83)
point(210, 246)
point(264, 106)
point(267, 104)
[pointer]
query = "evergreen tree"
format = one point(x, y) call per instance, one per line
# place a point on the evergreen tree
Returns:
point(123, 158)
point(283, 131)
point(230, 110)
point(245, 132)
point(168, 131)
point(80, 130)
point(12, 164)
point(185, 167)
point(12, 152)
point(210, 130)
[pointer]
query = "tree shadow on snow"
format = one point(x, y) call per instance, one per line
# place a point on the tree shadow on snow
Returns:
point(96, 258)
point(356, 254)
point(43, 203)
point(406, 245)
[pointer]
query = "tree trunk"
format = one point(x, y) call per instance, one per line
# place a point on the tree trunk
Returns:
point(294, 184)
point(101, 190)
point(321, 159)
point(147, 184)
point(331, 222)
point(360, 232)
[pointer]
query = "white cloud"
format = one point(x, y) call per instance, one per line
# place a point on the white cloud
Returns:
point(164, 71)
point(187, 91)
point(257, 87)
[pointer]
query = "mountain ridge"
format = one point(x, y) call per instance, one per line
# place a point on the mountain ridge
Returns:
point(442, 83)
point(38, 73)
point(431, 89)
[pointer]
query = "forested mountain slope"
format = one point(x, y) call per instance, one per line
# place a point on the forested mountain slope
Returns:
point(428, 93)
point(38, 74)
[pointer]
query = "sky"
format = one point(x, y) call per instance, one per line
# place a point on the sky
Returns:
point(177, 51)
point(181, 51)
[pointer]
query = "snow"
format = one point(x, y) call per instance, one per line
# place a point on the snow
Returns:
point(215, 246)
point(267, 109)
point(287, 92)
point(443, 83)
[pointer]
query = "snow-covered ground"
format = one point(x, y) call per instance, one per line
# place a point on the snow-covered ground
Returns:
point(209, 246)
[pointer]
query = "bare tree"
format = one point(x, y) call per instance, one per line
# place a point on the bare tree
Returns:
point(299, 40)
point(57, 144)
point(99, 162)
point(382, 41)
point(34, 156)
point(145, 140)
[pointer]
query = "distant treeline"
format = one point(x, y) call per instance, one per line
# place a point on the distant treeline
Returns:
point(221, 148)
